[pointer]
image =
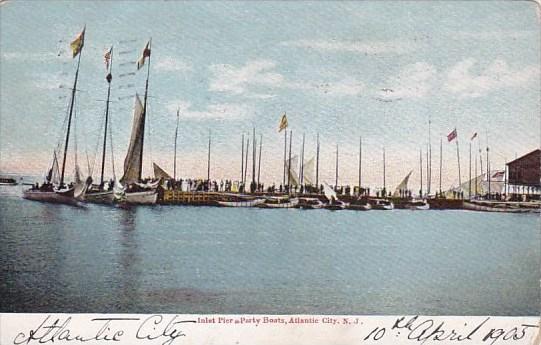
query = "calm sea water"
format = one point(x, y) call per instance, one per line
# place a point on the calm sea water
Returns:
point(57, 258)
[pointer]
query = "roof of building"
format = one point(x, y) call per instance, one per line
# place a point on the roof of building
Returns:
point(534, 152)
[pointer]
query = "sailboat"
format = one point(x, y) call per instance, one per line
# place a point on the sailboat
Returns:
point(137, 192)
point(98, 193)
point(334, 203)
point(55, 189)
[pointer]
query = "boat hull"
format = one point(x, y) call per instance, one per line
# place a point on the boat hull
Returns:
point(141, 198)
point(355, 207)
point(290, 204)
point(51, 197)
point(243, 203)
point(105, 197)
point(477, 207)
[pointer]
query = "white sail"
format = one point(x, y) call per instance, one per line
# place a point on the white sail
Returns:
point(132, 162)
point(497, 180)
point(160, 173)
point(402, 185)
point(55, 171)
point(293, 174)
point(308, 171)
point(330, 194)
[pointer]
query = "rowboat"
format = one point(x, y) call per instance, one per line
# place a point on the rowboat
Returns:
point(279, 202)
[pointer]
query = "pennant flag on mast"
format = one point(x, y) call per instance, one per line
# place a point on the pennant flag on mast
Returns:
point(107, 58)
point(452, 136)
point(144, 55)
point(283, 123)
point(78, 43)
point(474, 136)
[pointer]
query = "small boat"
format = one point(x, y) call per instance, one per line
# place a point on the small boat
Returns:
point(310, 203)
point(335, 205)
point(418, 205)
point(358, 206)
point(382, 204)
point(99, 196)
point(242, 203)
point(147, 197)
point(7, 181)
point(52, 195)
point(499, 207)
point(279, 202)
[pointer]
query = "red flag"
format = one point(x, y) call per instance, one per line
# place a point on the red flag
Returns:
point(474, 136)
point(451, 136)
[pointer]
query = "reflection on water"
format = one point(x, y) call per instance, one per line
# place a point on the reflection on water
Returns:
point(214, 260)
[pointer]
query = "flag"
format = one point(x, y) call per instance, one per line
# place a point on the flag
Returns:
point(107, 57)
point(283, 123)
point(474, 136)
point(78, 43)
point(451, 136)
point(144, 55)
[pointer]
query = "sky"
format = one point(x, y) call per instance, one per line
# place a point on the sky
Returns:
point(232, 66)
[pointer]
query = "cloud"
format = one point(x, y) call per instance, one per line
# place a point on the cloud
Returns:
point(413, 81)
point(375, 47)
point(254, 75)
point(461, 80)
point(228, 78)
point(225, 111)
point(34, 57)
point(171, 64)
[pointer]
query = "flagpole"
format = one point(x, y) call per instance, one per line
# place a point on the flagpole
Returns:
point(427, 170)
point(108, 78)
point(384, 189)
point(488, 169)
point(289, 165)
point(317, 164)
point(429, 177)
point(259, 164)
point(480, 154)
point(476, 177)
point(175, 158)
point(72, 102)
point(458, 159)
point(144, 115)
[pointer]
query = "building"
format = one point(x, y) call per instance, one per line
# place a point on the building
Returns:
point(524, 176)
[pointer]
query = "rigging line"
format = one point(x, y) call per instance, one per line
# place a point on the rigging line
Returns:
point(112, 151)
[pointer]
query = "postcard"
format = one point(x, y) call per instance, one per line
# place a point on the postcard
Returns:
point(268, 172)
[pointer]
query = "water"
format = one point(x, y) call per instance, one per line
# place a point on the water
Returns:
point(58, 258)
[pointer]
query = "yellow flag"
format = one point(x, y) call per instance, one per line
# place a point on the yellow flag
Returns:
point(283, 123)
point(78, 43)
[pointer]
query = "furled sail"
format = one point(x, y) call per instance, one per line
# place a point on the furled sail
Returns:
point(159, 172)
point(330, 194)
point(132, 162)
point(309, 171)
point(403, 185)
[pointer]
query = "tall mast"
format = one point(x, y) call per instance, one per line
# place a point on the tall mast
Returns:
point(429, 177)
point(109, 78)
point(259, 164)
point(70, 116)
point(360, 161)
point(476, 177)
point(285, 159)
point(242, 160)
point(488, 169)
point(253, 155)
point(208, 161)
point(289, 163)
point(427, 170)
point(336, 171)
point(145, 109)
point(246, 161)
point(421, 171)
point(301, 179)
point(441, 158)
point(385, 189)
point(469, 182)
point(175, 157)
point(317, 163)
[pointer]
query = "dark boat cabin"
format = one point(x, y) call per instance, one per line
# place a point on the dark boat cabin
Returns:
point(524, 176)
